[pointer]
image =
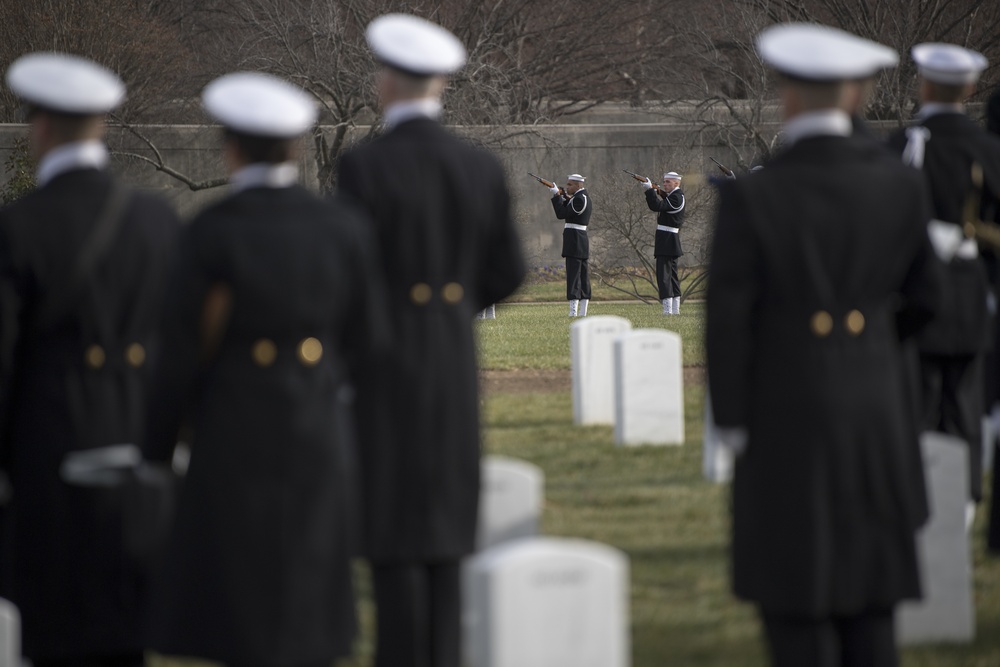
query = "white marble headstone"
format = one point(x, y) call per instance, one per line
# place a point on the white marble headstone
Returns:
point(510, 500)
point(10, 635)
point(591, 342)
point(547, 602)
point(649, 388)
point(947, 612)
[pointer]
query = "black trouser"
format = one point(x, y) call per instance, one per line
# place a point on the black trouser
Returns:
point(667, 281)
point(993, 532)
point(953, 403)
point(118, 660)
point(418, 611)
point(864, 640)
point(577, 278)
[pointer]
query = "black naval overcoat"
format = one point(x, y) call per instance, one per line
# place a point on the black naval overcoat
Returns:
point(449, 248)
point(575, 210)
point(257, 569)
point(63, 559)
point(805, 309)
point(669, 213)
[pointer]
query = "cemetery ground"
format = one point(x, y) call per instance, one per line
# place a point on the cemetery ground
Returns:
point(651, 502)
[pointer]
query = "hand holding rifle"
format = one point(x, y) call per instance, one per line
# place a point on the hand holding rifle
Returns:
point(725, 170)
point(647, 184)
point(553, 188)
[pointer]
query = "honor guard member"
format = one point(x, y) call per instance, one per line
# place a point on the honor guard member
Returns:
point(83, 261)
point(805, 310)
point(667, 247)
point(449, 248)
point(945, 143)
point(575, 208)
point(272, 318)
point(993, 386)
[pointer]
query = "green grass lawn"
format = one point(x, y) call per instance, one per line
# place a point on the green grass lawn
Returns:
point(651, 502)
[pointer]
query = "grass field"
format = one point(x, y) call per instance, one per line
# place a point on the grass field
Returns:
point(651, 502)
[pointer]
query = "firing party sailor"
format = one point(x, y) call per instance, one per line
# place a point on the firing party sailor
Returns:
point(667, 249)
point(83, 263)
point(575, 207)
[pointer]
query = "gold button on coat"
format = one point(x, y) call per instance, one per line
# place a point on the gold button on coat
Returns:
point(94, 356)
point(452, 293)
point(821, 324)
point(135, 355)
point(310, 351)
point(854, 322)
point(264, 352)
point(420, 294)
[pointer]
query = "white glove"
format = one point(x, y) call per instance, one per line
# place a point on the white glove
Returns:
point(733, 437)
point(647, 184)
point(554, 190)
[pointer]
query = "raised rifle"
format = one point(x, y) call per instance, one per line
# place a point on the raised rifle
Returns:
point(642, 179)
point(725, 170)
point(548, 184)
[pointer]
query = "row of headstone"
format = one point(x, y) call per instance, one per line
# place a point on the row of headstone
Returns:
point(632, 379)
point(531, 601)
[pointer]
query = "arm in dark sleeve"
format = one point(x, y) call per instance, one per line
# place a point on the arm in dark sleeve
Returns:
point(922, 291)
point(733, 293)
point(559, 205)
point(12, 303)
point(176, 368)
point(671, 204)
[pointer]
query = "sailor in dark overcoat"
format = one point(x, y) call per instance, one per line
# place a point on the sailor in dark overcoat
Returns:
point(805, 311)
point(667, 242)
point(449, 247)
point(75, 336)
point(271, 318)
point(945, 143)
point(993, 391)
point(575, 207)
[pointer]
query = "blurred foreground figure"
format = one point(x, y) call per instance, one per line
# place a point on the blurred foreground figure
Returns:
point(945, 144)
point(806, 308)
point(449, 248)
point(82, 266)
point(271, 318)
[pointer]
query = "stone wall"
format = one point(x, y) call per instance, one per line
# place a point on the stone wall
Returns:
point(597, 150)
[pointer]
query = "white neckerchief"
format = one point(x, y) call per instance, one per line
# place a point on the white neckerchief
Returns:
point(825, 122)
point(399, 112)
point(90, 154)
point(929, 109)
point(262, 175)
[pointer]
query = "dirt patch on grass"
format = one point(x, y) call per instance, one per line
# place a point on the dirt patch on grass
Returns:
point(528, 381)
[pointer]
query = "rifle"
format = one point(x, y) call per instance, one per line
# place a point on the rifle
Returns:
point(642, 179)
point(985, 232)
point(548, 184)
point(725, 170)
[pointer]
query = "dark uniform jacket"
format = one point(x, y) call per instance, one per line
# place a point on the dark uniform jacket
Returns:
point(574, 211)
point(449, 248)
point(804, 314)
point(62, 552)
point(955, 142)
point(670, 213)
point(257, 567)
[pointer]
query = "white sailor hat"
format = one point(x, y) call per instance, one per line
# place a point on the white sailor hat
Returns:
point(259, 105)
point(64, 83)
point(948, 63)
point(820, 53)
point(415, 45)
point(673, 175)
point(576, 177)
